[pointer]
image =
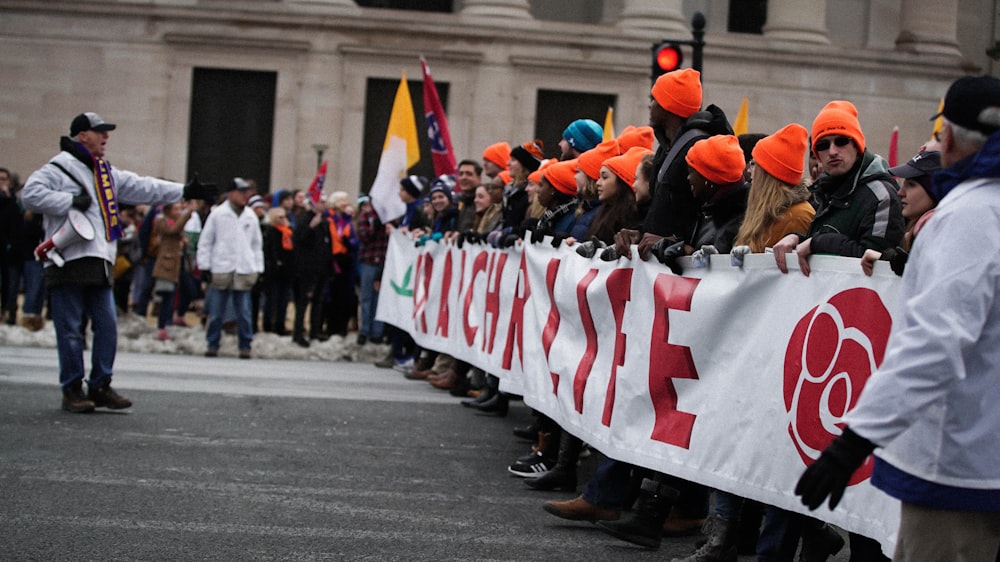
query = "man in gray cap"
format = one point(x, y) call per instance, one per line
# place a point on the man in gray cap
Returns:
point(231, 257)
point(931, 410)
point(80, 179)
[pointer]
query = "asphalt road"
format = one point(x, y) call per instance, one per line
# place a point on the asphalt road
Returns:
point(223, 459)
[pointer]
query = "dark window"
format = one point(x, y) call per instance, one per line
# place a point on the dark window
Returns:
point(747, 16)
point(557, 109)
point(421, 5)
point(232, 125)
point(379, 95)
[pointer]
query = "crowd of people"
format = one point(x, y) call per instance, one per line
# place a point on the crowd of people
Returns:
point(702, 191)
point(683, 185)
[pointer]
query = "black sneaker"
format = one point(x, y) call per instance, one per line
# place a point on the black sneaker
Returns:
point(535, 465)
point(300, 341)
point(105, 397)
point(75, 401)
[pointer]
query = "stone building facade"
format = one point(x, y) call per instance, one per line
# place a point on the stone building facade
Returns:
point(136, 63)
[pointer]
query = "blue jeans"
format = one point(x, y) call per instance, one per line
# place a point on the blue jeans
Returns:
point(216, 303)
point(34, 287)
point(609, 487)
point(728, 506)
point(370, 328)
point(69, 305)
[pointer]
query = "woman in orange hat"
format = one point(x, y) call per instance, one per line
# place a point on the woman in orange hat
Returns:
point(715, 172)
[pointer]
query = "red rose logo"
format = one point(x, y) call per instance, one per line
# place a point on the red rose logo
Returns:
point(832, 352)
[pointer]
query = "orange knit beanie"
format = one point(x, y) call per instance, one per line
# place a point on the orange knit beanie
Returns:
point(590, 161)
point(498, 153)
point(783, 154)
point(636, 136)
point(562, 176)
point(624, 166)
point(838, 117)
point(719, 158)
point(679, 92)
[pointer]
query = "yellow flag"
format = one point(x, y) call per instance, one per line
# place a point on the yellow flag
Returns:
point(399, 153)
point(937, 122)
point(741, 124)
point(609, 124)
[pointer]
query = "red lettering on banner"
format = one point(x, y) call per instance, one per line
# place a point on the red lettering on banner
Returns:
point(515, 328)
point(586, 363)
point(478, 266)
point(444, 314)
point(619, 287)
point(497, 262)
point(668, 361)
point(552, 322)
point(425, 267)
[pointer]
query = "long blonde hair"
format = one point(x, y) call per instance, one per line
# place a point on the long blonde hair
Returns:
point(769, 199)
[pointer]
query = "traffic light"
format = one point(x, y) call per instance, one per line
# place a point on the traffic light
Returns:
point(667, 56)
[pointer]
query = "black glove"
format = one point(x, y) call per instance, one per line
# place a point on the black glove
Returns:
point(667, 253)
point(828, 476)
point(590, 248)
point(82, 202)
point(897, 259)
point(206, 277)
point(197, 190)
point(537, 235)
point(509, 240)
point(557, 239)
point(610, 254)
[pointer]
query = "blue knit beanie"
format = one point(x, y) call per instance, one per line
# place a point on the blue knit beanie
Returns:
point(583, 134)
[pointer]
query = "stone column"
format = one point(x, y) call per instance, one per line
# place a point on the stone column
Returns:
point(655, 15)
point(518, 9)
point(928, 27)
point(796, 20)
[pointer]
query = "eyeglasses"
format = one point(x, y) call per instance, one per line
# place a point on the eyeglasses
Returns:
point(824, 144)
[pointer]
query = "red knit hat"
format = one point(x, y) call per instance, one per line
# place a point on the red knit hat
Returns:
point(498, 153)
point(536, 176)
point(719, 158)
point(636, 136)
point(562, 176)
point(783, 154)
point(624, 166)
point(838, 117)
point(590, 161)
point(679, 92)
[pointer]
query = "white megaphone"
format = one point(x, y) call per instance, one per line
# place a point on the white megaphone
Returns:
point(75, 229)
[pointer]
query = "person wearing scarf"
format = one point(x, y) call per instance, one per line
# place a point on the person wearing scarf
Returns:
point(80, 178)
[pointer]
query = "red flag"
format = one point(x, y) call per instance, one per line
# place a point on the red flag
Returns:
point(437, 127)
point(316, 187)
point(894, 147)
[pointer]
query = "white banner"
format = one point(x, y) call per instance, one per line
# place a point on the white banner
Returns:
point(734, 377)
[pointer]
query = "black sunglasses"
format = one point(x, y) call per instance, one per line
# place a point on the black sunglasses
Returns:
point(824, 144)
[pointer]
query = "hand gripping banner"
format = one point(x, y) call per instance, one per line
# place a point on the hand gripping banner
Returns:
point(734, 377)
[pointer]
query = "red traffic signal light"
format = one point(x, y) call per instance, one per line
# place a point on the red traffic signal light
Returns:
point(667, 56)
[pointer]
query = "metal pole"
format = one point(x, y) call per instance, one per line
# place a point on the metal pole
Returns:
point(698, 32)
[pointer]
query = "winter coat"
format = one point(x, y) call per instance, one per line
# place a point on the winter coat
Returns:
point(231, 243)
point(932, 405)
point(582, 224)
point(168, 259)
point(50, 191)
point(279, 263)
point(857, 211)
point(673, 209)
point(719, 221)
point(313, 249)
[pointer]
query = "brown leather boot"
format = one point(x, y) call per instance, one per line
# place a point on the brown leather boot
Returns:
point(446, 381)
point(105, 397)
point(579, 509)
point(75, 401)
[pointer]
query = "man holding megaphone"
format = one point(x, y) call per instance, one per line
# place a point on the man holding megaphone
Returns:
point(79, 192)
